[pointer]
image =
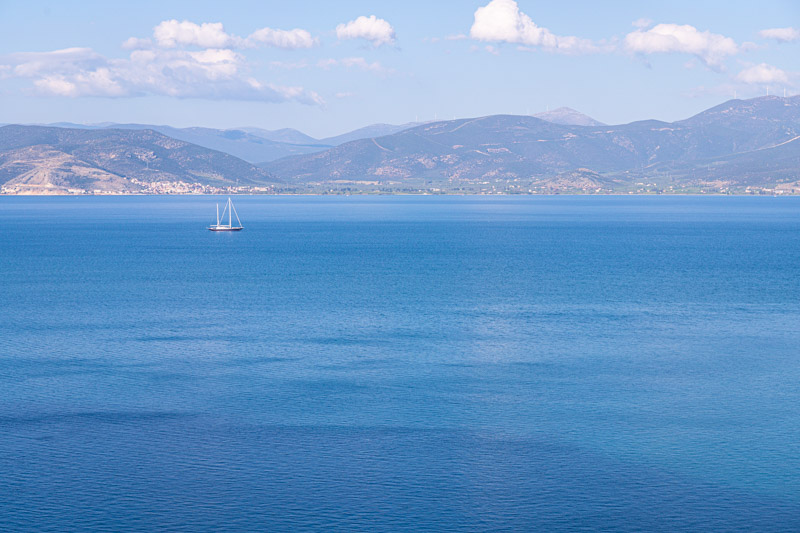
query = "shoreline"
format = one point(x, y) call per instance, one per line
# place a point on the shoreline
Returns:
point(407, 194)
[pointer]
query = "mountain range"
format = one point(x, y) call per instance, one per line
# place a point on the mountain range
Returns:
point(739, 143)
point(259, 145)
point(733, 147)
point(255, 145)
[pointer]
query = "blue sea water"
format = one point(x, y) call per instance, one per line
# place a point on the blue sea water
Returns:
point(400, 363)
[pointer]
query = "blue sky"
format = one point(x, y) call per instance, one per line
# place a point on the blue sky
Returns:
point(285, 64)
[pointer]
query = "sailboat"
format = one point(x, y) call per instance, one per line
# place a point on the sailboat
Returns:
point(229, 226)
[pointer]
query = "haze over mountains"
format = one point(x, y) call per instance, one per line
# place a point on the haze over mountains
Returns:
point(255, 145)
point(567, 116)
point(732, 147)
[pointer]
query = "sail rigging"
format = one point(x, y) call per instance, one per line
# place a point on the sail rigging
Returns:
point(231, 211)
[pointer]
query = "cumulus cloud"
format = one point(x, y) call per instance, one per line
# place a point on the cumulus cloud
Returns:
point(214, 73)
point(171, 33)
point(762, 73)
point(377, 31)
point(502, 21)
point(182, 59)
point(783, 35)
point(711, 48)
point(180, 34)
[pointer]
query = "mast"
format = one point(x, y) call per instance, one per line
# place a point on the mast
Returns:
point(217, 214)
point(238, 220)
point(230, 225)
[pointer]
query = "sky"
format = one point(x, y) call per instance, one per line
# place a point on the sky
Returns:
point(328, 67)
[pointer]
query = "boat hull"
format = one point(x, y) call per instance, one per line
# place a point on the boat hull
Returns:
point(213, 228)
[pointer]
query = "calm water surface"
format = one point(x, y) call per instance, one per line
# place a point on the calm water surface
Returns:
point(400, 363)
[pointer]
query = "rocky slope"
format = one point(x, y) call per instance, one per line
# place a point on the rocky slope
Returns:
point(112, 160)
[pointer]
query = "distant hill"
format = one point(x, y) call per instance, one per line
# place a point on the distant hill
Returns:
point(739, 143)
point(247, 146)
point(568, 117)
point(367, 132)
point(57, 159)
point(284, 135)
point(43, 169)
point(250, 147)
point(255, 145)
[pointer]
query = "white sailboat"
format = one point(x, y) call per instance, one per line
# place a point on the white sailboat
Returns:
point(229, 226)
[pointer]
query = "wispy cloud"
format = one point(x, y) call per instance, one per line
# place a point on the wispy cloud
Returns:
point(783, 35)
point(286, 39)
point(373, 29)
point(353, 62)
point(214, 73)
point(289, 65)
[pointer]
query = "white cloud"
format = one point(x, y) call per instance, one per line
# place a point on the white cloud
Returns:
point(31, 64)
point(286, 39)
point(134, 43)
point(762, 73)
point(180, 34)
point(502, 21)
point(98, 82)
point(784, 35)
point(182, 59)
point(711, 48)
point(171, 33)
point(377, 31)
point(353, 62)
point(641, 23)
point(213, 73)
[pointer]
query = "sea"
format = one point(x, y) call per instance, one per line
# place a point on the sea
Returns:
point(400, 363)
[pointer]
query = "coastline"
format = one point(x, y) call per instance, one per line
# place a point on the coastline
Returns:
point(380, 193)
